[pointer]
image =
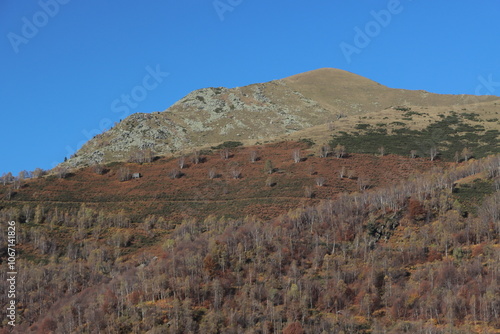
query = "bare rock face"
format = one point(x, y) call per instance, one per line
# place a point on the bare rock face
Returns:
point(251, 113)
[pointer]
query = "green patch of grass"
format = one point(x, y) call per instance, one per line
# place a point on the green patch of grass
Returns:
point(411, 113)
point(470, 116)
point(449, 135)
point(309, 142)
point(228, 144)
point(362, 126)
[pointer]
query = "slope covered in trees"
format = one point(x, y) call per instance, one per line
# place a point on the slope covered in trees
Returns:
point(418, 255)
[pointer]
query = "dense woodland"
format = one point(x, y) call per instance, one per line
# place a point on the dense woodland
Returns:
point(421, 256)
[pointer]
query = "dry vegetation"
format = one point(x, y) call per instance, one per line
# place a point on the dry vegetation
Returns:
point(414, 256)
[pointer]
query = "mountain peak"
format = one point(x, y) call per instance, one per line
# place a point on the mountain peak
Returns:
point(255, 113)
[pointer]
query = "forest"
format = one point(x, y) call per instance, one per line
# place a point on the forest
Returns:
point(420, 256)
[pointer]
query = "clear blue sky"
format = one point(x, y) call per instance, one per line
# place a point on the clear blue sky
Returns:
point(66, 65)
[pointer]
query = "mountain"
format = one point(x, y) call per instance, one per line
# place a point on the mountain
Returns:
point(260, 112)
point(369, 210)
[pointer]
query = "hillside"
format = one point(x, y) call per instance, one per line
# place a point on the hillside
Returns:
point(383, 249)
point(267, 112)
point(319, 203)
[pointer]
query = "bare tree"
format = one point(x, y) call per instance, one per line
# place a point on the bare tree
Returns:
point(143, 155)
point(270, 181)
point(38, 173)
point(339, 151)
point(124, 174)
point(320, 181)
point(268, 167)
point(296, 155)
point(61, 171)
point(212, 173)
point(17, 183)
point(433, 152)
point(456, 157)
point(196, 158)
point(23, 175)
point(253, 155)
point(342, 172)
point(466, 153)
point(363, 183)
point(235, 172)
point(350, 174)
point(182, 162)
point(324, 151)
point(413, 154)
point(308, 191)
point(224, 153)
point(381, 151)
point(8, 193)
point(174, 174)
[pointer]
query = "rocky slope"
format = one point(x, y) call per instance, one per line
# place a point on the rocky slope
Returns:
point(254, 113)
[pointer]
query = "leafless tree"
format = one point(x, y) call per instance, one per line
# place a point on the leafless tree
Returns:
point(253, 155)
point(124, 174)
point(23, 175)
point(324, 151)
point(268, 167)
point(224, 153)
point(308, 191)
point(381, 151)
point(270, 181)
point(456, 157)
point(320, 181)
point(466, 153)
point(196, 158)
point(182, 162)
point(342, 172)
point(61, 171)
point(235, 172)
point(433, 152)
point(144, 155)
point(413, 154)
point(212, 173)
point(363, 183)
point(8, 193)
point(38, 173)
point(339, 151)
point(174, 174)
point(296, 155)
point(350, 174)
point(17, 183)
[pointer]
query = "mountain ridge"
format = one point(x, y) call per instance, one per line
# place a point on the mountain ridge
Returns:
point(255, 113)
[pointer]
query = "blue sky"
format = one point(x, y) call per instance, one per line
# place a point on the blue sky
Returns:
point(68, 66)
